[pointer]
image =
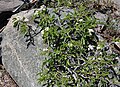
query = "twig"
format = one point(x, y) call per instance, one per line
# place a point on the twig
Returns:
point(2, 29)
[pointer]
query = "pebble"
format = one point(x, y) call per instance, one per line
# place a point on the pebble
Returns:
point(0, 74)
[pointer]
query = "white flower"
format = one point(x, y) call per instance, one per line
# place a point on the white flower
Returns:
point(77, 23)
point(90, 47)
point(42, 7)
point(42, 32)
point(117, 58)
point(99, 58)
point(45, 49)
point(98, 47)
point(36, 12)
point(100, 53)
point(114, 21)
point(81, 20)
point(90, 30)
point(47, 28)
point(70, 44)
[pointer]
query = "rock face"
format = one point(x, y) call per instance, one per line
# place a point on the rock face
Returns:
point(9, 5)
point(22, 63)
point(6, 8)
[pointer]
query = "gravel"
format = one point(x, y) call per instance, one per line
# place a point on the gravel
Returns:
point(5, 79)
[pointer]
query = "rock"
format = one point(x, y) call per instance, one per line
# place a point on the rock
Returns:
point(0, 74)
point(118, 4)
point(115, 47)
point(6, 8)
point(101, 17)
point(22, 63)
point(9, 5)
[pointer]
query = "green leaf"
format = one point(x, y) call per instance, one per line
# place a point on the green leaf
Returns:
point(23, 28)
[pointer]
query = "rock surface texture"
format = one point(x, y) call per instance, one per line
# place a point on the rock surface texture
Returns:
point(22, 63)
point(9, 5)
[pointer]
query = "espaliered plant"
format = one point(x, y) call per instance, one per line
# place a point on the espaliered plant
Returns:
point(76, 57)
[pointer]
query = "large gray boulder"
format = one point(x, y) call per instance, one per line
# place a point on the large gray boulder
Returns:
point(9, 5)
point(22, 63)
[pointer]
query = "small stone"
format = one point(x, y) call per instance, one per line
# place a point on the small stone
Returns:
point(2, 83)
point(0, 74)
point(5, 77)
point(115, 47)
point(101, 17)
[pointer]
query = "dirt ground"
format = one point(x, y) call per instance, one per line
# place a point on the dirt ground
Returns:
point(5, 79)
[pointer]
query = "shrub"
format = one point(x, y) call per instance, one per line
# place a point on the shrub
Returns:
point(76, 57)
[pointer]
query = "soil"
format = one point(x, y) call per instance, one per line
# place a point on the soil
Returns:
point(5, 78)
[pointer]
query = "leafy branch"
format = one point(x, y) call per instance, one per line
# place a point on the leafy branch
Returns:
point(76, 56)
